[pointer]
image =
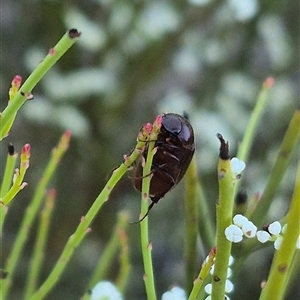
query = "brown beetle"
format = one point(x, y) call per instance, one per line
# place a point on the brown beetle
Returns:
point(175, 149)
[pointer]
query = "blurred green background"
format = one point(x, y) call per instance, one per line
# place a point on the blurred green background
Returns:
point(137, 59)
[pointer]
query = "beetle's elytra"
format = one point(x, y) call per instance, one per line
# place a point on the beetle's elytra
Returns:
point(175, 149)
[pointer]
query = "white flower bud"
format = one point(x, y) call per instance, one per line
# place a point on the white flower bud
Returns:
point(274, 228)
point(249, 229)
point(237, 166)
point(176, 293)
point(278, 242)
point(228, 286)
point(105, 290)
point(208, 288)
point(262, 236)
point(240, 220)
point(234, 234)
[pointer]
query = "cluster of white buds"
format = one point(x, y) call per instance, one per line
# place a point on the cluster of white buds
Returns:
point(105, 290)
point(243, 227)
point(274, 234)
point(228, 284)
point(176, 293)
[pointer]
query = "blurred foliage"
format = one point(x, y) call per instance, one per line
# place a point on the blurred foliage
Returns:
point(137, 59)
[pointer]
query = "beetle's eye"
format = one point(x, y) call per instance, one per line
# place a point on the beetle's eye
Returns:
point(172, 124)
point(186, 135)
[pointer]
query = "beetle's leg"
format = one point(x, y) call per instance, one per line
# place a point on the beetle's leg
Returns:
point(159, 168)
point(142, 177)
point(146, 214)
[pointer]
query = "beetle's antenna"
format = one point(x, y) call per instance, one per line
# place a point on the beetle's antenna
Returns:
point(146, 214)
point(186, 115)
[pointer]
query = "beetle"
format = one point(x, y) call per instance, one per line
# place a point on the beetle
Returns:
point(175, 149)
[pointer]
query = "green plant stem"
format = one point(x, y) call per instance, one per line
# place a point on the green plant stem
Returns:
point(197, 216)
point(7, 180)
point(204, 272)
point(31, 212)
point(294, 271)
point(191, 222)
point(19, 175)
point(288, 146)
point(193, 186)
point(145, 244)
point(260, 106)
point(83, 227)
point(277, 281)
point(224, 219)
point(251, 129)
point(8, 173)
point(109, 252)
point(206, 225)
point(19, 99)
point(124, 259)
point(105, 260)
point(39, 249)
